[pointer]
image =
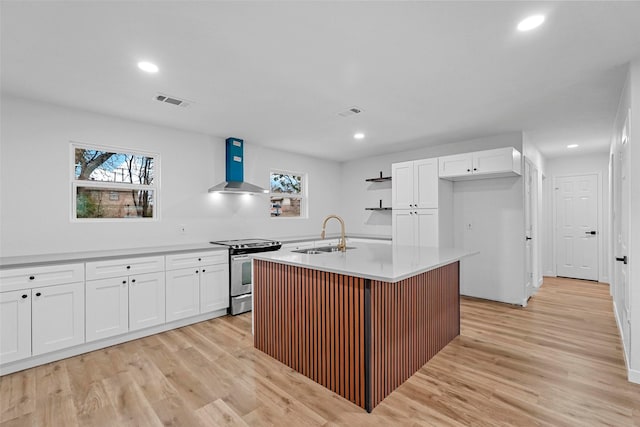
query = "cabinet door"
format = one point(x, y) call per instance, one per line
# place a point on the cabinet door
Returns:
point(403, 227)
point(426, 231)
point(425, 183)
point(214, 287)
point(107, 308)
point(15, 325)
point(58, 317)
point(494, 161)
point(402, 185)
point(457, 165)
point(146, 300)
point(183, 293)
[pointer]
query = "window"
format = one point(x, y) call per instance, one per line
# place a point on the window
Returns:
point(288, 194)
point(112, 184)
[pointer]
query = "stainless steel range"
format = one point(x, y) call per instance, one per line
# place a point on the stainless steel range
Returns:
point(240, 269)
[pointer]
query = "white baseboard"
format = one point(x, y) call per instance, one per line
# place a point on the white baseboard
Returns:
point(634, 376)
point(32, 361)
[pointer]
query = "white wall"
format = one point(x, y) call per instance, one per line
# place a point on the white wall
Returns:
point(578, 165)
point(35, 187)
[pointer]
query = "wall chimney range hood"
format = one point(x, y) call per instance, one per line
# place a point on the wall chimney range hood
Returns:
point(235, 172)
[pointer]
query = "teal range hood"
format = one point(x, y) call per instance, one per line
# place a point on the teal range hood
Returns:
point(234, 183)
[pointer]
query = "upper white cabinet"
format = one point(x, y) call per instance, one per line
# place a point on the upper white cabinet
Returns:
point(415, 184)
point(497, 163)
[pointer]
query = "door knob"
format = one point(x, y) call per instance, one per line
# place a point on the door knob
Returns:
point(623, 259)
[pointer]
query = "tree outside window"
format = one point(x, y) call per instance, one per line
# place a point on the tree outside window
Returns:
point(288, 196)
point(110, 184)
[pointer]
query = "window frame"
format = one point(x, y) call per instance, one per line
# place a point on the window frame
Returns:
point(105, 185)
point(303, 195)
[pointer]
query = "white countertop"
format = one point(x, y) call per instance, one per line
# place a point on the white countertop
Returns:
point(67, 257)
point(388, 263)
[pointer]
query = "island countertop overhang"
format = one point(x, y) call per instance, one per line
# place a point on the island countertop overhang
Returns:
point(374, 261)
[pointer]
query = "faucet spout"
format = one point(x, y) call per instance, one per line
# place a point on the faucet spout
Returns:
point(342, 244)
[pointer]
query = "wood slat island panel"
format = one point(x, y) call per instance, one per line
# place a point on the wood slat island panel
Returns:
point(313, 322)
point(358, 337)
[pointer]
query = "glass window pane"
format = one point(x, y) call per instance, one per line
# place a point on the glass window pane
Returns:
point(285, 206)
point(97, 165)
point(94, 202)
point(286, 183)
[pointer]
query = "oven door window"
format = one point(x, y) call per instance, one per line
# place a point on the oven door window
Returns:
point(246, 272)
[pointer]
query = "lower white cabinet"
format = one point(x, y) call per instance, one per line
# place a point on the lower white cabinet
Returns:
point(15, 325)
point(146, 300)
point(121, 304)
point(57, 315)
point(183, 293)
point(418, 227)
point(200, 287)
point(214, 287)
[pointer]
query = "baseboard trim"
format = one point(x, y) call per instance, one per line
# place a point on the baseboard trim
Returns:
point(634, 376)
point(41, 359)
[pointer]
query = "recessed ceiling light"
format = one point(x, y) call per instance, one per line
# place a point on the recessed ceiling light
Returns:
point(148, 67)
point(359, 135)
point(572, 146)
point(531, 22)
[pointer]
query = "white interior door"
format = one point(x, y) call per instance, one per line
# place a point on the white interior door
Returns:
point(621, 199)
point(577, 226)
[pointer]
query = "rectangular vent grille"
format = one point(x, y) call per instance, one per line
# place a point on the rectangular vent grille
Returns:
point(171, 100)
point(350, 111)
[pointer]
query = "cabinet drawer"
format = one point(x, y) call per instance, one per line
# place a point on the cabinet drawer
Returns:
point(33, 277)
point(196, 259)
point(124, 267)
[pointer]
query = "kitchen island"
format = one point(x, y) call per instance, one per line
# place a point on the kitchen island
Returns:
point(359, 322)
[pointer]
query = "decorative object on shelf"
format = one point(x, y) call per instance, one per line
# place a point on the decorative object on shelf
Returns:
point(379, 179)
point(379, 208)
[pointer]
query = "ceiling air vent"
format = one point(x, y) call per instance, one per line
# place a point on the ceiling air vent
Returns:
point(350, 111)
point(171, 100)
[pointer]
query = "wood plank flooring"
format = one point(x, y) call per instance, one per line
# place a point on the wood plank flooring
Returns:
point(557, 362)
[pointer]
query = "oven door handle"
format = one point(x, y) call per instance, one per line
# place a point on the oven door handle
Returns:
point(239, 257)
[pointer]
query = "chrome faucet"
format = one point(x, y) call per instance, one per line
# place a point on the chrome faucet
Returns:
point(342, 244)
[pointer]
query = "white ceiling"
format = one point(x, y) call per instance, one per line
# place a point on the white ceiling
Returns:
point(277, 73)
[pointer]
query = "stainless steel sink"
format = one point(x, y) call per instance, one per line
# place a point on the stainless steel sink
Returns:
point(331, 248)
point(308, 251)
point(322, 250)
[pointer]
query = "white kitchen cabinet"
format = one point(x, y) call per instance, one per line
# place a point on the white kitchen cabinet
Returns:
point(420, 227)
point(57, 317)
point(297, 245)
point(415, 184)
point(146, 300)
point(214, 287)
point(422, 205)
point(15, 325)
point(183, 293)
point(201, 287)
point(107, 307)
point(500, 162)
point(122, 304)
point(14, 279)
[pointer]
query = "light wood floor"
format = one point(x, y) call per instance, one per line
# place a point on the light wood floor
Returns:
point(558, 362)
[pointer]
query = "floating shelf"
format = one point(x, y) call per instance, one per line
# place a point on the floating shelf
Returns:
point(378, 209)
point(379, 179)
